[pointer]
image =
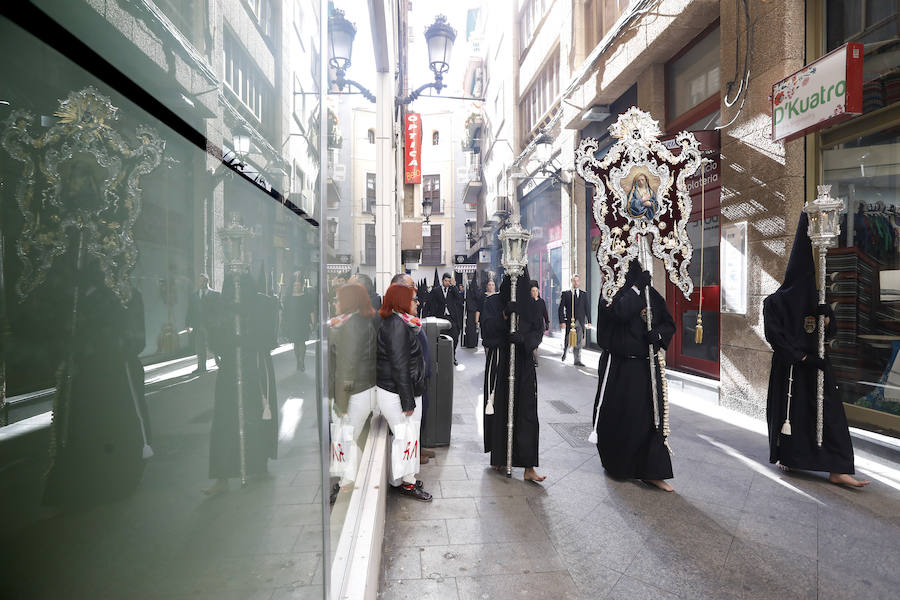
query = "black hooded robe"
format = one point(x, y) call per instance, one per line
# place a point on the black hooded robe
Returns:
point(525, 412)
point(629, 445)
point(494, 329)
point(790, 316)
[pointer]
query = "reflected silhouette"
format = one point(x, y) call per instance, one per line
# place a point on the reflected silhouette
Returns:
point(351, 365)
point(245, 418)
point(299, 309)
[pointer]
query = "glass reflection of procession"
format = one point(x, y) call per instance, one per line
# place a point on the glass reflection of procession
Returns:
point(78, 197)
point(244, 432)
point(641, 207)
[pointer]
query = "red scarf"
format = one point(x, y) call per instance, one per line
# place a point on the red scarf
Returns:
point(410, 320)
point(340, 319)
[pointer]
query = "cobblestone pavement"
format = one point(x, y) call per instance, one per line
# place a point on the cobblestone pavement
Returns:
point(735, 528)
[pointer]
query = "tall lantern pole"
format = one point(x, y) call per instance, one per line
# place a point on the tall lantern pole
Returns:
point(234, 238)
point(823, 230)
point(515, 245)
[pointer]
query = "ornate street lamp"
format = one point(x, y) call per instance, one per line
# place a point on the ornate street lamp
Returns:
point(470, 230)
point(514, 238)
point(426, 209)
point(439, 37)
point(543, 145)
point(823, 230)
point(241, 142)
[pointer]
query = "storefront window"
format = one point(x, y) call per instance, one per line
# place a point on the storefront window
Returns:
point(863, 283)
point(876, 24)
point(694, 76)
point(159, 309)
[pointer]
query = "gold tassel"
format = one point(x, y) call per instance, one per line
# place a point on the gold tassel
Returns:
point(573, 337)
point(698, 334)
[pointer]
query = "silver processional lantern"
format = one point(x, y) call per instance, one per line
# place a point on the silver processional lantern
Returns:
point(234, 237)
point(515, 239)
point(823, 231)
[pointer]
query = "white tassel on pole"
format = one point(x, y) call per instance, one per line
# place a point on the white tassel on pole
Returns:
point(147, 451)
point(492, 373)
point(786, 428)
point(592, 438)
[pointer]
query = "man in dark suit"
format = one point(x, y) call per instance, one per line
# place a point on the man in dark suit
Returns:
point(574, 304)
point(203, 306)
point(444, 303)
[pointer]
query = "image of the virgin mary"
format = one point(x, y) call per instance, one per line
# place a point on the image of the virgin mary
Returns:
point(642, 201)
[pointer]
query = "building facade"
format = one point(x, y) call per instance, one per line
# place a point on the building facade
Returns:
point(698, 66)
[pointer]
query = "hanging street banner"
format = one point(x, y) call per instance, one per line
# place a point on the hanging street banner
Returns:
point(412, 163)
point(819, 95)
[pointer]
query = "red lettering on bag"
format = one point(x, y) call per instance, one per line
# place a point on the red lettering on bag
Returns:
point(411, 452)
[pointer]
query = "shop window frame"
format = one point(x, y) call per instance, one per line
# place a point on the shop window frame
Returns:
point(705, 107)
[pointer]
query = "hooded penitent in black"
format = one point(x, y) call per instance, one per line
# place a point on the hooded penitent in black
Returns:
point(791, 319)
point(629, 445)
point(525, 414)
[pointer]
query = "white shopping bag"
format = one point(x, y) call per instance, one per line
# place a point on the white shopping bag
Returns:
point(344, 453)
point(405, 449)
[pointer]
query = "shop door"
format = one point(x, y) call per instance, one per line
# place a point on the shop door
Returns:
point(684, 354)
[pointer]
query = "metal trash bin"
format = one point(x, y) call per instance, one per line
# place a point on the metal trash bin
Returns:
point(436, 425)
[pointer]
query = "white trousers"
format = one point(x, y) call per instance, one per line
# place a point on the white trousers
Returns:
point(358, 409)
point(389, 405)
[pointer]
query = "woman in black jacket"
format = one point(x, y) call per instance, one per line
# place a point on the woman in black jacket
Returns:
point(400, 373)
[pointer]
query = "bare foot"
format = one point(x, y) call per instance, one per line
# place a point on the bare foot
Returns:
point(660, 484)
point(531, 475)
point(784, 468)
point(220, 486)
point(847, 479)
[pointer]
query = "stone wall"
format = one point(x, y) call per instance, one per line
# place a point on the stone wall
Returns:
point(762, 183)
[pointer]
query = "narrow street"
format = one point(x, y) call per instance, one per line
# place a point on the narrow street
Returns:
point(735, 527)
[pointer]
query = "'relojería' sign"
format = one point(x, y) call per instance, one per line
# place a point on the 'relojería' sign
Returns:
point(412, 160)
point(820, 94)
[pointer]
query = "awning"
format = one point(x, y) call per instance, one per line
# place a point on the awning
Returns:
point(465, 268)
point(339, 268)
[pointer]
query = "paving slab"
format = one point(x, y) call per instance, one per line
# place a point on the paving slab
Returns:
point(736, 527)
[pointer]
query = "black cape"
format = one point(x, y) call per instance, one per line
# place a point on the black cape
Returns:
point(258, 314)
point(629, 446)
point(99, 411)
point(525, 414)
point(790, 321)
point(494, 329)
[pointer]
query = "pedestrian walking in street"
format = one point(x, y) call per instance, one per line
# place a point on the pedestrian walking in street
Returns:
point(444, 302)
point(542, 311)
point(526, 429)
point(400, 372)
point(630, 445)
point(202, 311)
point(574, 311)
point(791, 317)
point(299, 309)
